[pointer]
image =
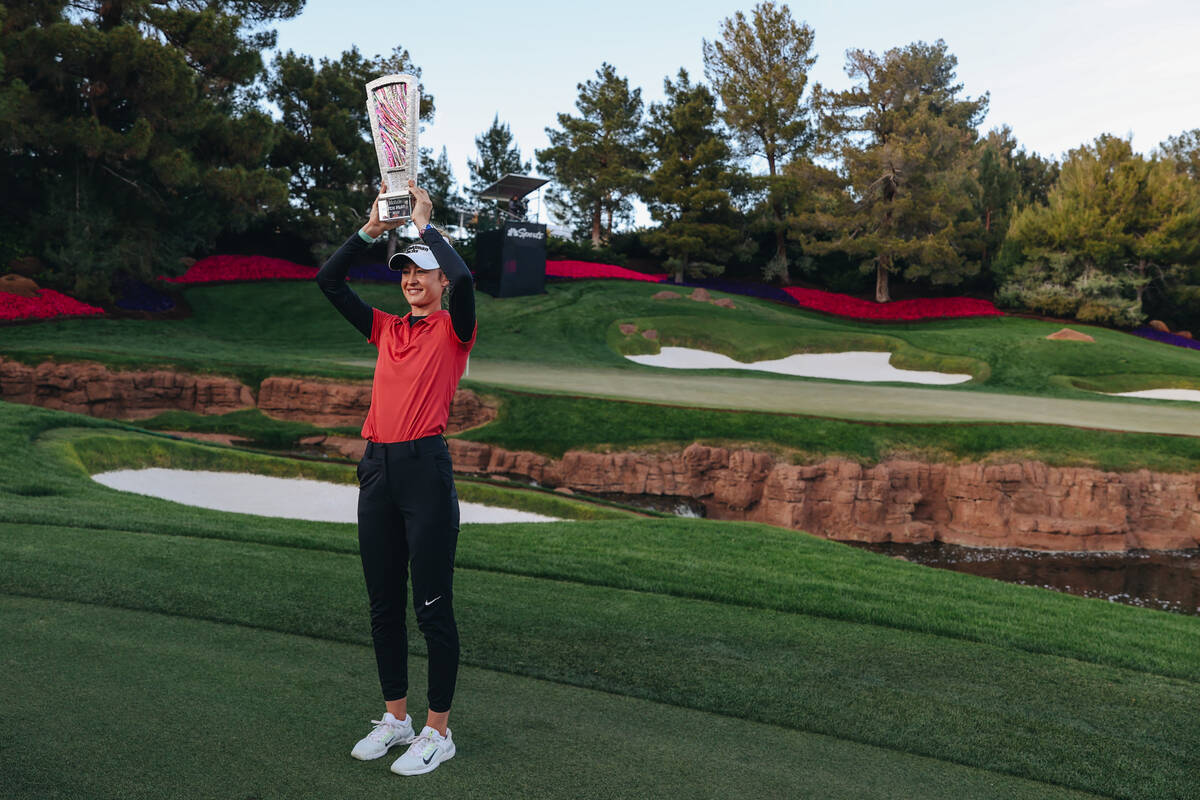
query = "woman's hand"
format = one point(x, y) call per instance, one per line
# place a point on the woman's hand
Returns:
point(423, 210)
point(376, 227)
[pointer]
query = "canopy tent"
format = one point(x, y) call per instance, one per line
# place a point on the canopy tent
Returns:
point(506, 187)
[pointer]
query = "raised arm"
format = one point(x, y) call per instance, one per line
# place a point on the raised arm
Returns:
point(332, 276)
point(332, 280)
point(462, 286)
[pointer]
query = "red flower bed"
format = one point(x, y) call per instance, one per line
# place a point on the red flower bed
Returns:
point(586, 269)
point(48, 305)
point(844, 305)
point(244, 268)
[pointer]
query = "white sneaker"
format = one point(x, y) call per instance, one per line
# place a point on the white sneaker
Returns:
point(388, 733)
point(426, 752)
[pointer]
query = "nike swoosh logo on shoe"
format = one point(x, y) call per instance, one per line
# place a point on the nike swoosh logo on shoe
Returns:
point(431, 602)
point(431, 755)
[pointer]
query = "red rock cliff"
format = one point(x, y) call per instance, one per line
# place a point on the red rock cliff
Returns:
point(1025, 504)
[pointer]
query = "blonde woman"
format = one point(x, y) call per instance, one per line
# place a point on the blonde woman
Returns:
point(407, 503)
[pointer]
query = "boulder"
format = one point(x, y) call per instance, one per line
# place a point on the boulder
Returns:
point(666, 295)
point(700, 295)
point(19, 285)
point(1159, 325)
point(724, 302)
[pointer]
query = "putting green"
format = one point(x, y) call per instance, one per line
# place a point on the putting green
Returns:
point(184, 707)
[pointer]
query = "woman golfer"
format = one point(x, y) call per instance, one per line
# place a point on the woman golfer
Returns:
point(407, 504)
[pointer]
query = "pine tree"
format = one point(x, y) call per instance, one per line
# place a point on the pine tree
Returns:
point(759, 69)
point(497, 155)
point(1184, 152)
point(1115, 223)
point(688, 187)
point(596, 158)
point(906, 142)
point(131, 129)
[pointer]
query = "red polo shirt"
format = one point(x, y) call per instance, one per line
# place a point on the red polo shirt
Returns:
point(416, 373)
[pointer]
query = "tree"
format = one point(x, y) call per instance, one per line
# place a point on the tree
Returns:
point(998, 184)
point(1180, 302)
point(1036, 176)
point(437, 178)
point(130, 130)
point(688, 188)
point(1184, 152)
point(906, 140)
point(325, 137)
point(759, 68)
point(497, 155)
point(1008, 180)
point(596, 158)
point(1115, 223)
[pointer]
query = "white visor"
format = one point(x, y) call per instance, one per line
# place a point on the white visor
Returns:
point(418, 254)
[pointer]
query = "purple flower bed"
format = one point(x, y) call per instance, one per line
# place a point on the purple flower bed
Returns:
point(137, 296)
point(1167, 338)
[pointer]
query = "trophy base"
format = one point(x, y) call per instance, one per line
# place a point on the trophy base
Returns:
point(394, 207)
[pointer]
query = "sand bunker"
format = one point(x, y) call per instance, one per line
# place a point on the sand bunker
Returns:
point(291, 498)
point(1164, 394)
point(851, 366)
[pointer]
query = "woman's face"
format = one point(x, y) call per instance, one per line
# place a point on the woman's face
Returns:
point(423, 288)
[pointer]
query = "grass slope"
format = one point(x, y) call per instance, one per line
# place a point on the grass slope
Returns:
point(253, 330)
point(596, 424)
point(215, 691)
point(746, 621)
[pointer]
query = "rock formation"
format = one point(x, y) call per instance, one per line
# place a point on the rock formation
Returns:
point(95, 390)
point(1026, 504)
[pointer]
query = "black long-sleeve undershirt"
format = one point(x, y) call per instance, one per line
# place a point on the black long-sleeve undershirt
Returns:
point(332, 280)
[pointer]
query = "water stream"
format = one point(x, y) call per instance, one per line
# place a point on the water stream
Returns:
point(1169, 581)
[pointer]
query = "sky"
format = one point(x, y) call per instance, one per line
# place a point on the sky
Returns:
point(1059, 73)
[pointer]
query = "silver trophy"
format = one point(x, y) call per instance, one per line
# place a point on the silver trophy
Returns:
point(393, 103)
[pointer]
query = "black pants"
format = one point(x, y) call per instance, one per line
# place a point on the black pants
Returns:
point(408, 515)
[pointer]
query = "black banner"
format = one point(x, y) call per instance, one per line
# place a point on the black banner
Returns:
point(511, 261)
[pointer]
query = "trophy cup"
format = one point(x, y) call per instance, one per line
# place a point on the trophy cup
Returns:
point(392, 104)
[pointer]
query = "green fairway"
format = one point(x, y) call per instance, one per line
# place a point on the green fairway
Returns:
point(596, 423)
point(897, 671)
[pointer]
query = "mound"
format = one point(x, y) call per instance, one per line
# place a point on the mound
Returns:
point(1066, 334)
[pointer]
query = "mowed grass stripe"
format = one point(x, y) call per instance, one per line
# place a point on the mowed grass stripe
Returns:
point(592, 423)
point(759, 567)
point(517, 737)
point(1045, 718)
point(746, 564)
